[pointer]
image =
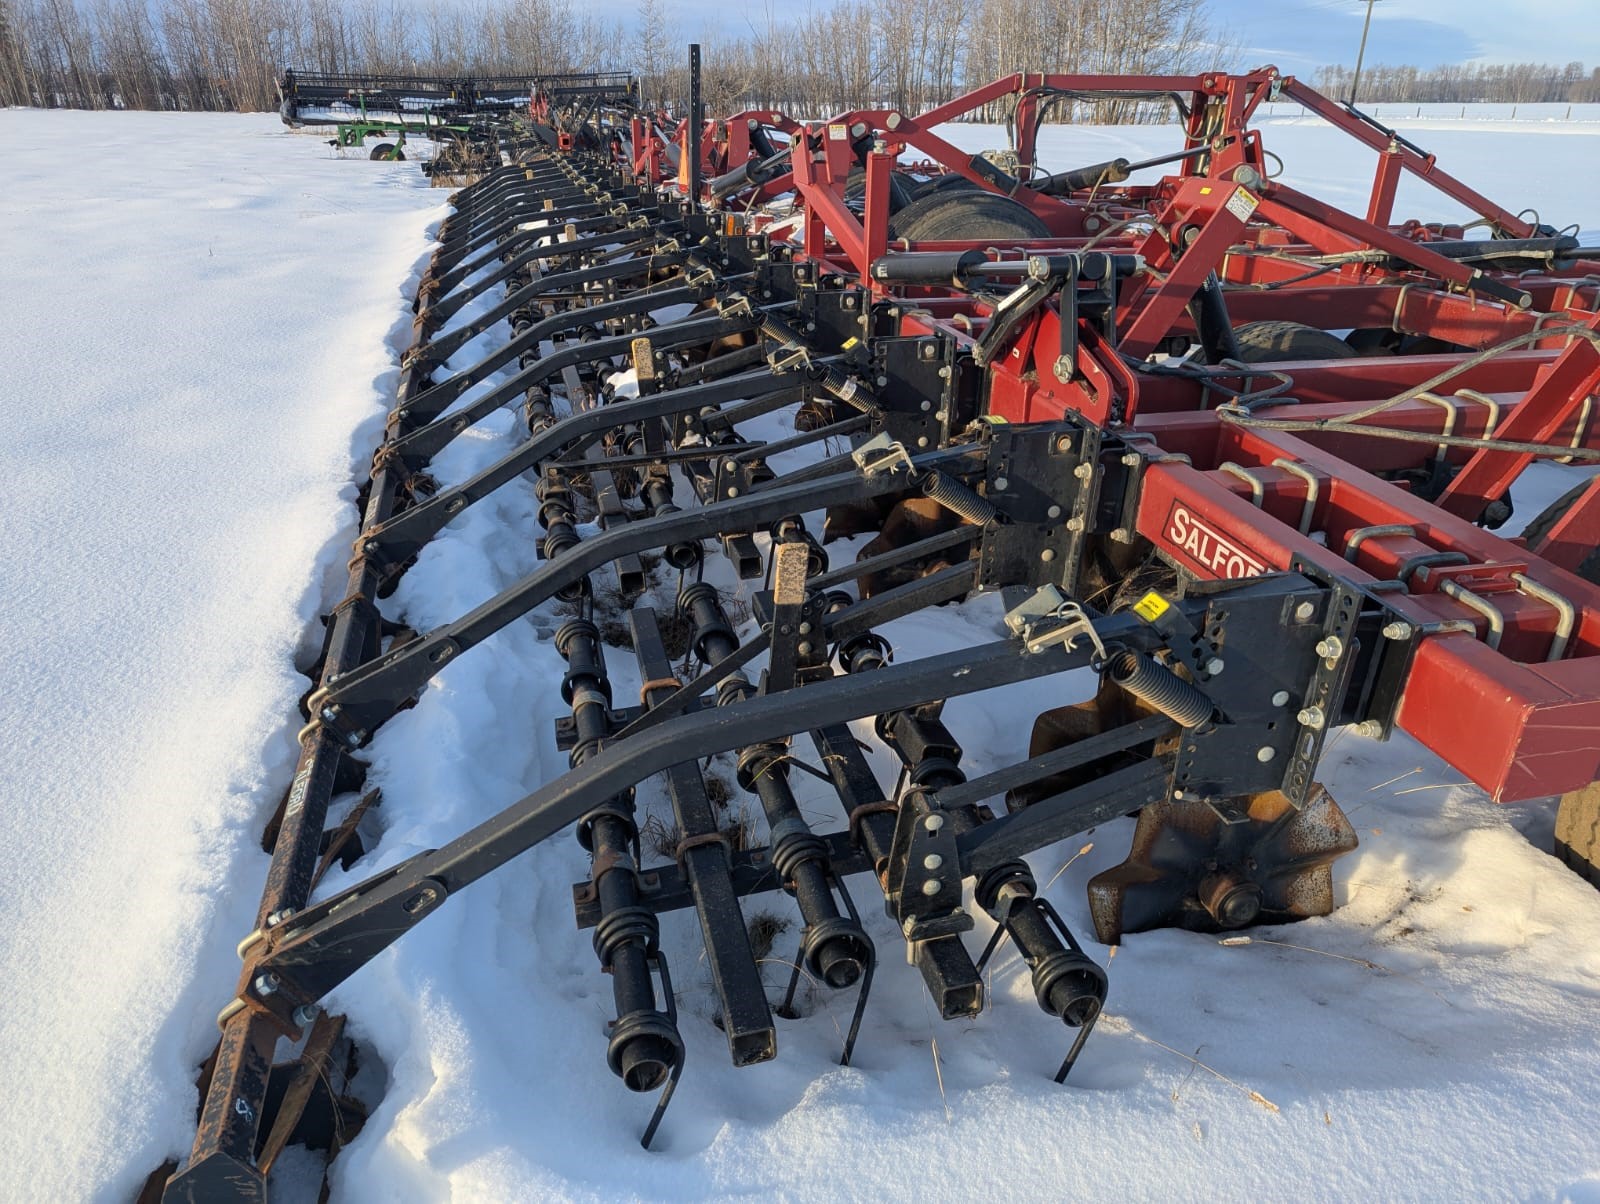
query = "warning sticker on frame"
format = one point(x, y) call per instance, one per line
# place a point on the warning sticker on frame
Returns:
point(1212, 551)
point(1242, 204)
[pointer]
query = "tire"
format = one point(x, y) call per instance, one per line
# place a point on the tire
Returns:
point(958, 215)
point(385, 152)
point(950, 182)
point(1534, 533)
point(902, 188)
point(1270, 342)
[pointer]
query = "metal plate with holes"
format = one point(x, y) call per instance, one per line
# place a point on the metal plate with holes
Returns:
point(1033, 478)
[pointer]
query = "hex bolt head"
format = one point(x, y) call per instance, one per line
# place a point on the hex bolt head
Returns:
point(265, 984)
point(1130, 459)
point(1214, 665)
point(1083, 472)
point(931, 887)
point(1397, 630)
point(330, 713)
point(1311, 717)
point(1000, 483)
point(279, 916)
point(1304, 611)
point(1280, 698)
point(1074, 524)
point(305, 1014)
point(1370, 728)
point(944, 372)
point(1330, 648)
point(1265, 753)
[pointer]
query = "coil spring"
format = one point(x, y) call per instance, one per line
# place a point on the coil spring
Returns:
point(833, 379)
point(957, 498)
point(1147, 681)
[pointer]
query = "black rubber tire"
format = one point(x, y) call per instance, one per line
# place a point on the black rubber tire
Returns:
point(949, 182)
point(1274, 341)
point(957, 214)
point(1533, 534)
point(902, 188)
point(385, 152)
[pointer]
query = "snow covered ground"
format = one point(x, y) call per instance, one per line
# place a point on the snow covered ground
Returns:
point(205, 315)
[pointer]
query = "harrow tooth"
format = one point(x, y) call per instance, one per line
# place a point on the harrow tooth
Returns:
point(1118, 405)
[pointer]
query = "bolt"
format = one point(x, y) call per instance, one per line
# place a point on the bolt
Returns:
point(733, 491)
point(1311, 716)
point(1074, 524)
point(305, 1014)
point(1047, 555)
point(1397, 630)
point(1122, 535)
point(1178, 795)
point(279, 916)
point(330, 713)
point(1370, 728)
point(944, 372)
point(932, 861)
point(922, 442)
point(1330, 648)
point(1304, 611)
point(1280, 698)
point(929, 351)
point(803, 647)
point(1265, 753)
point(933, 823)
point(354, 739)
point(1214, 666)
point(931, 887)
point(805, 629)
point(926, 406)
point(1053, 512)
point(1130, 459)
point(1000, 484)
point(1083, 472)
point(730, 465)
point(265, 984)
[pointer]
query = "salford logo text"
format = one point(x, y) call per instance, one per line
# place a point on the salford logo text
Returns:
point(1208, 547)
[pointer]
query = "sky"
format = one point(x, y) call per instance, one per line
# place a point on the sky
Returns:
point(1300, 35)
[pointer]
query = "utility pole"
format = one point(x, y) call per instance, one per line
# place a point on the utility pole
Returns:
point(1361, 54)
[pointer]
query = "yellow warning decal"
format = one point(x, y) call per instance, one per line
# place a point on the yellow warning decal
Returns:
point(1151, 607)
point(849, 343)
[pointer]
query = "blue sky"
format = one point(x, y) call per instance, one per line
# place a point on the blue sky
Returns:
point(1301, 35)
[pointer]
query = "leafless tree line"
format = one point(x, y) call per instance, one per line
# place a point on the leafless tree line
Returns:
point(229, 54)
point(1506, 83)
point(909, 54)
